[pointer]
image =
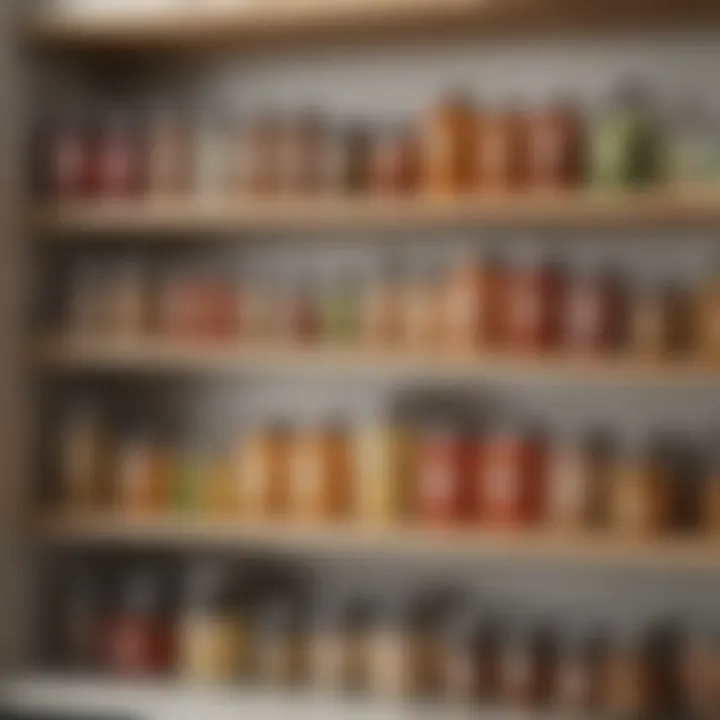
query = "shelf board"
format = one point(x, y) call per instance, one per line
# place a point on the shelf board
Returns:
point(261, 23)
point(65, 355)
point(221, 531)
point(99, 221)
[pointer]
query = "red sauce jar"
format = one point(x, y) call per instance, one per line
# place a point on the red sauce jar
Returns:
point(512, 479)
point(534, 301)
point(66, 159)
point(139, 635)
point(442, 474)
point(116, 158)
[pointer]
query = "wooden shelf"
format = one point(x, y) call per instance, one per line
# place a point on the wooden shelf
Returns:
point(183, 531)
point(99, 221)
point(162, 356)
point(269, 22)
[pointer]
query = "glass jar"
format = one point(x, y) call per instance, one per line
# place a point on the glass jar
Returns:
point(84, 459)
point(358, 144)
point(501, 149)
point(626, 694)
point(461, 671)
point(699, 672)
point(582, 681)
point(554, 147)
point(299, 156)
point(67, 158)
point(517, 670)
point(640, 501)
point(535, 297)
point(419, 312)
point(82, 623)
point(711, 501)
point(218, 159)
point(84, 314)
point(300, 313)
point(447, 147)
point(658, 324)
point(395, 162)
point(117, 158)
point(170, 158)
point(390, 653)
point(258, 147)
point(381, 472)
point(707, 317)
point(213, 629)
point(262, 471)
point(281, 656)
point(382, 308)
point(441, 475)
point(340, 311)
point(127, 303)
point(136, 474)
point(139, 635)
point(513, 479)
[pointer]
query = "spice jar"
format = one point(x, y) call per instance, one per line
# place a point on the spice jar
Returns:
point(501, 149)
point(535, 297)
point(359, 164)
point(382, 463)
point(470, 304)
point(657, 322)
point(581, 681)
point(448, 147)
point(489, 661)
point(213, 630)
point(300, 146)
point(170, 158)
point(576, 478)
point(126, 303)
point(340, 311)
point(698, 672)
point(711, 500)
point(554, 147)
point(442, 475)
point(395, 162)
point(258, 147)
point(390, 652)
point(300, 314)
point(382, 307)
point(460, 667)
point(139, 635)
point(262, 471)
point(627, 691)
point(513, 478)
point(84, 314)
point(218, 159)
point(117, 165)
point(281, 651)
point(640, 499)
point(419, 312)
point(592, 314)
point(707, 317)
point(517, 669)
point(84, 457)
point(320, 473)
point(82, 623)
point(136, 474)
point(67, 158)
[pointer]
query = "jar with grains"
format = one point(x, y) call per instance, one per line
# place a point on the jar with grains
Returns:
point(117, 165)
point(442, 475)
point(577, 473)
point(169, 167)
point(501, 147)
point(262, 471)
point(139, 636)
point(592, 314)
point(627, 683)
point(448, 140)
point(641, 492)
point(382, 307)
point(213, 642)
point(381, 474)
point(534, 302)
point(554, 147)
point(470, 302)
point(67, 158)
point(420, 313)
point(281, 652)
point(84, 449)
point(390, 652)
point(707, 317)
point(512, 478)
point(582, 680)
point(218, 159)
point(320, 473)
point(136, 474)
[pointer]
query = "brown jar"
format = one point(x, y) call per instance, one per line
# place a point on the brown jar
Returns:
point(359, 160)
point(707, 318)
point(300, 156)
point(136, 474)
point(117, 164)
point(518, 670)
point(390, 652)
point(320, 474)
point(82, 624)
point(127, 303)
point(261, 471)
point(258, 150)
point(651, 323)
point(395, 162)
point(501, 139)
point(170, 157)
point(627, 684)
point(592, 314)
point(582, 675)
point(67, 159)
point(461, 674)
point(711, 502)
point(554, 147)
point(382, 308)
point(640, 500)
point(534, 302)
point(448, 139)
point(419, 312)
point(698, 672)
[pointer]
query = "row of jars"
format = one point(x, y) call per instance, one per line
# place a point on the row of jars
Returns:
point(453, 148)
point(430, 475)
point(471, 303)
point(221, 625)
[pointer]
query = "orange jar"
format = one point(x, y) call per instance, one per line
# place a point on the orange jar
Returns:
point(320, 474)
point(442, 475)
point(469, 305)
point(395, 162)
point(651, 323)
point(261, 468)
point(419, 311)
point(554, 147)
point(381, 308)
point(534, 300)
point(512, 479)
point(500, 152)
point(136, 475)
point(448, 138)
point(641, 495)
